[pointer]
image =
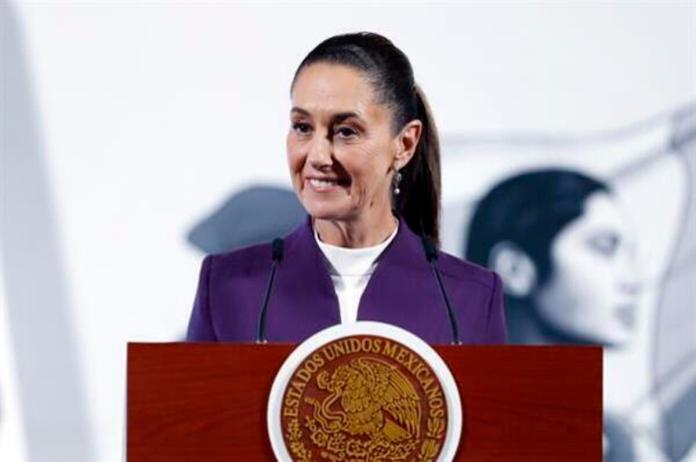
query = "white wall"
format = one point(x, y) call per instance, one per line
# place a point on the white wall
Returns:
point(151, 114)
point(12, 444)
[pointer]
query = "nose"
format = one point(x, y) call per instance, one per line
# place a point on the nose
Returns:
point(632, 280)
point(320, 155)
point(631, 286)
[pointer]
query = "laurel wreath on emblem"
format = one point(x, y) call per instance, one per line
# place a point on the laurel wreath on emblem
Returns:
point(372, 413)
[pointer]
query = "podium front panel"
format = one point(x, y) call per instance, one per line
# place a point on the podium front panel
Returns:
point(207, 402)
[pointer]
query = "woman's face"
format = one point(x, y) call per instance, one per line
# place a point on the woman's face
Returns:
point(593, 290)
point(341, 148)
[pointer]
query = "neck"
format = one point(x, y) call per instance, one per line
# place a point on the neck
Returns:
point(355, 233)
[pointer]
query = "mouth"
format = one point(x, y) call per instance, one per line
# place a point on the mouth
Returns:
point(324, 184)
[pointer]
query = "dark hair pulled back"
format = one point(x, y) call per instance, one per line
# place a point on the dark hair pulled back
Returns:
point(529, 209)
point(389, 72)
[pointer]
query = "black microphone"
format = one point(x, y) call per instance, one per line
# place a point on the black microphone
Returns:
point(276, 257)
point(431, 254)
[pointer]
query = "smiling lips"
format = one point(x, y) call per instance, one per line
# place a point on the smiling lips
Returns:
point(323, 184)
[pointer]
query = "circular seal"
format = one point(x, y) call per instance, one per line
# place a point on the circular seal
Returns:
point(366, 391)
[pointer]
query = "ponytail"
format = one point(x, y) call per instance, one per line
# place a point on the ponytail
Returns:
point(419, 199)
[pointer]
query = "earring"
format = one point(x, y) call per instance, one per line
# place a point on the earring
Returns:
point(397, 180)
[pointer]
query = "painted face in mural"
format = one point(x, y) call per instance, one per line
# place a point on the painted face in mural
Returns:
point(592, 293)
point(341, 147)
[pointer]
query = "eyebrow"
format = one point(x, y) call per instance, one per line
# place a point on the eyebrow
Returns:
point(336, 118)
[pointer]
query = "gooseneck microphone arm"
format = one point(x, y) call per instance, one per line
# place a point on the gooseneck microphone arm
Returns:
point(276, 257)
point(431, 254)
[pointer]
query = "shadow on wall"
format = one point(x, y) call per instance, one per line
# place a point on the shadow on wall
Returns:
point(39, 314)
point(255, 215)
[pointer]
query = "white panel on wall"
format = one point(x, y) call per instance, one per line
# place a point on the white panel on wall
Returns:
point(12, 441)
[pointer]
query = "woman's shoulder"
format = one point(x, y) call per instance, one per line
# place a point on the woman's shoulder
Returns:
point(450, 265)
point(458, 268)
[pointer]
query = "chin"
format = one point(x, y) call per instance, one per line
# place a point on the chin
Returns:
point(620, 338)
point(324, 211)
point(620, 341)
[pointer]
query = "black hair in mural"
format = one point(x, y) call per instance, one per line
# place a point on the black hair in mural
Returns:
point(529, 210)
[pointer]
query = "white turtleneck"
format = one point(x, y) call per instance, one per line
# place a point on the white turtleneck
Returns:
point(350, 270)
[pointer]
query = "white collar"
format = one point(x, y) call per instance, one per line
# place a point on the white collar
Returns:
point(353, 262)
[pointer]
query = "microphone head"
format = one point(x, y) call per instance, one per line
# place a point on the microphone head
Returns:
point(429, 248)
point(277, 249)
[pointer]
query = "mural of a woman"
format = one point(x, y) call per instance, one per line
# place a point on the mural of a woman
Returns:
point(566, 252)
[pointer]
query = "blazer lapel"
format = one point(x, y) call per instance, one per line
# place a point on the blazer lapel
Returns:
point(304, 300)
point(404, 292)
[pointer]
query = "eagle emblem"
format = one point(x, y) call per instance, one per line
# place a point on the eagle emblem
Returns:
point(363, 399)
point(375, 399)
point(373, 404)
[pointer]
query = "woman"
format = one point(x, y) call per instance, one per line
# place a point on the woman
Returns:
point(566, 253)
point(364, 161)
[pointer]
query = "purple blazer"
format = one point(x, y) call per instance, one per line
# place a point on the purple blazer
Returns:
point(402, 291)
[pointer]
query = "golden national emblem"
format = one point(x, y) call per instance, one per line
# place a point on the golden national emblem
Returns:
point(363, 398)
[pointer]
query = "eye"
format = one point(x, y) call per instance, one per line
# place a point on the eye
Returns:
point(345, 132)
point(605, 244)
point(301, 128)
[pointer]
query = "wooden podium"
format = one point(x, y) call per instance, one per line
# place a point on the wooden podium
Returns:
point(207, 402)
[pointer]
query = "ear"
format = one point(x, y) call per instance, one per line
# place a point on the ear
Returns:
point(515, 267)
point(406, 143)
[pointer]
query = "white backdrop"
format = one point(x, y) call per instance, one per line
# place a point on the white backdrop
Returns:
point(149, 115)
